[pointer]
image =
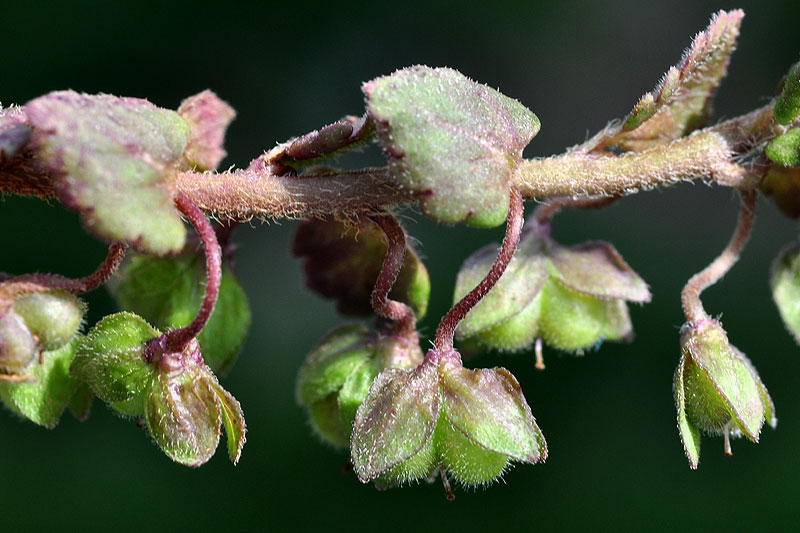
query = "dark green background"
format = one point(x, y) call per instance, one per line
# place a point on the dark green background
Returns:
point(616, 461)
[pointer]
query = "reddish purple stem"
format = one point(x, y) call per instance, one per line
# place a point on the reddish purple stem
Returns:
point(176, 340)
point(447, 327)
point(401, 313)
point(44, 282)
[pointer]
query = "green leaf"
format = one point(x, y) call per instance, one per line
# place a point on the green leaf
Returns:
point(44, 400)
point(787, 105)
point(168, 292)
point(453, 141)
point(110, 360)
point(112, 159)
point(343, 260)
point(785, 149)
point(682, 101)
point(396, 421)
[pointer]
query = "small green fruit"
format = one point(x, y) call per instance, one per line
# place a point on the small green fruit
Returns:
point(717, 390)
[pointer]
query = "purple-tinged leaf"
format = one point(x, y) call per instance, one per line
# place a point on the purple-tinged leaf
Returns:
point(453, 141)
point(682, 101)
point(208, 118)
point(342, 262)
point(112, 159)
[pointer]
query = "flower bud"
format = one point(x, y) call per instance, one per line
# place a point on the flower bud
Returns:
point(178, 396)
point(33, 322)
point(53, 316)
point(717, 390)
point(573, 297)
point(785, 283)
point(337, 374)
point(17, 344)
point(470, 422)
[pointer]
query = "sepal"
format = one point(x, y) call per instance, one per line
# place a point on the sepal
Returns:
point(572, 297)
point(50, 391)
point(717, 390)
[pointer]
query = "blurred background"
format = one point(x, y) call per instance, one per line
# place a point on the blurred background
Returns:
point(616, 460)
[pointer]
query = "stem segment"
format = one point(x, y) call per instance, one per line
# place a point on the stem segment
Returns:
point(690, 296)
point(45, 282)
point(447, 327)
point(176, 340)
point(401, 313)
point(545, 213)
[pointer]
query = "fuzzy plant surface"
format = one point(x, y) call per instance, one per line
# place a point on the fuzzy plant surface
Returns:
point(403, 403)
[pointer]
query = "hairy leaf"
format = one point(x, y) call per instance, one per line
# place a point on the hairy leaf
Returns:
point(112, 159)
point(208, 118)
point(682, 101)
point(453, 141)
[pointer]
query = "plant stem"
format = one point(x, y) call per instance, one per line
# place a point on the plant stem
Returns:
point(395, 253)
point(690, 296)
point(726, 154)
point(47, 282)
point(545, 212)
point(447, 327)
point(176, 340)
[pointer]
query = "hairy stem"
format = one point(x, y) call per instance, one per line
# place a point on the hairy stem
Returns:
point(401, 313)
point(690, 296)
point(45, 282)
point(545, 213)
point(447, 327)
point(176, 340)
point(726, 154)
